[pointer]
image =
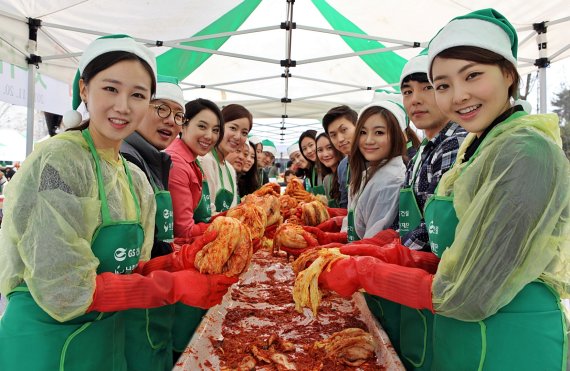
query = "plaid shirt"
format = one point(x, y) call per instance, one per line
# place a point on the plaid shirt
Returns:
point(437, 157)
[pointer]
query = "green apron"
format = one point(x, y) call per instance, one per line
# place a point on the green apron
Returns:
point(351, 230)
point(148, 331)
point(203, 211)
point(164, 217)
point(188, 318)
point(387, 312)
point(224, 197)
point(30, 339)
point(351, 234)
point(529, 333)
point(410, 215)
point(331, 201)
point(415, 332)
point(315, 189)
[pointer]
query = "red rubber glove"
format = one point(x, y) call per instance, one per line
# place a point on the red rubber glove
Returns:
point(334, 212)
point(182, 258)
point(180, 241)
point(380, 238)
point(331, 225)
point(407, 286)
point(198, 229)
point(325, 238)
point(394, 253)
point(115, 292)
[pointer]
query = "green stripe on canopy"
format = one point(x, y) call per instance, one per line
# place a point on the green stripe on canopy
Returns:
point(181, 63)
point(387, 65)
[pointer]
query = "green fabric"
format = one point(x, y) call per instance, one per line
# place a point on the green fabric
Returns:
point(410, 215)
point(32, 340)
point(527, 334)
point(351, 230)
point(187, 320)
point(317, 190)
point(167, 79)
point(181, 63)
point(388, 314)
point(513, 205)
point(387, 65)
point(149, 338)
point(164, 217)
point(116, 252)
point(203, 211)
point(224, 197)
point(441, 222)
point(416, 338)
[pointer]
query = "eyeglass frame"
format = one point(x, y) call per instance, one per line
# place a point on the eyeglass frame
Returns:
point(157, 108)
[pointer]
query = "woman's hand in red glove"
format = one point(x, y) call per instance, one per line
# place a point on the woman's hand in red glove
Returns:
point(326, 237)
point(115, 292)
point(187, 254)
point(408, 286)
point(208, 289)
point(381, 238)
point(394, 253)
point(342, 277)
point(182, 258)
point(334, 212)
point(331, 225)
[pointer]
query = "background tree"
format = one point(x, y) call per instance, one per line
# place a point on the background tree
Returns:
point(561, 102)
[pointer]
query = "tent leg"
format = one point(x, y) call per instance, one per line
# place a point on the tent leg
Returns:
point(542, 79)
point(30, 111)
point(542, 62)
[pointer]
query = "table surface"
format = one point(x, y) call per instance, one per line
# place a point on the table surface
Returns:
point(255, 295)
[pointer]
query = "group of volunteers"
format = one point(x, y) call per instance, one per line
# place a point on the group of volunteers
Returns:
point(459, 241)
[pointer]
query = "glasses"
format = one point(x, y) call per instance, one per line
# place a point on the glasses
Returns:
point(164, 111)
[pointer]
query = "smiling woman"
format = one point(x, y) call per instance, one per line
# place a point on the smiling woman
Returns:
point(376, 158)
point(79, 229)
point(220, 174)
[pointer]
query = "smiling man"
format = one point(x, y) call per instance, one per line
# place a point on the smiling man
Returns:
point(436, 155)
point(339, 123)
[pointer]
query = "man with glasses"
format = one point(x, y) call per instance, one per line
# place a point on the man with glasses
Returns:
point(144, 148)
point(149, 339)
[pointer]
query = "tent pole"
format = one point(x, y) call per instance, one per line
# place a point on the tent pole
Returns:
point(411, 44)
point(30, 109)
point(33, 61)
point(542, 62)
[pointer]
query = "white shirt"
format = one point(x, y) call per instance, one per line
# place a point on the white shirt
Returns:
point(377, 205)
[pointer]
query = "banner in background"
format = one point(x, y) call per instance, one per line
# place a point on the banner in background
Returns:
point(51, 95)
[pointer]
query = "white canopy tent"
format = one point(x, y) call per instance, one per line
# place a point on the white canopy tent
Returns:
point(281, 59)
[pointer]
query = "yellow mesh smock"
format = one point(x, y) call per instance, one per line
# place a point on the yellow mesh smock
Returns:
point(513, 205)
point(51, 211)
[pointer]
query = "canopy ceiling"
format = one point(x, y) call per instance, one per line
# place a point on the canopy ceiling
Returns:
point(340, 52)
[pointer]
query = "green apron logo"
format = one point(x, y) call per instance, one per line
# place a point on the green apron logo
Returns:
point(120, 254)
point(433, 229)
